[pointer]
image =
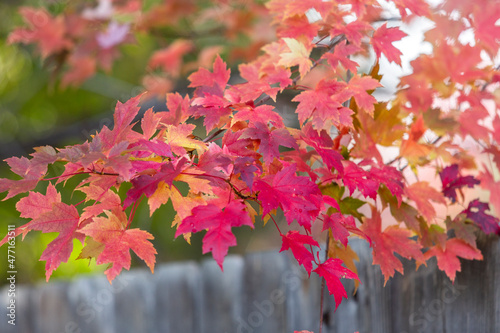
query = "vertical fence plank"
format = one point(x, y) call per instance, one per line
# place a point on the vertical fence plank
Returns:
point(222, 295)
point(52, 302)
point(264, 293)
point(92, 302)
point(135, 303)
point(178, 292)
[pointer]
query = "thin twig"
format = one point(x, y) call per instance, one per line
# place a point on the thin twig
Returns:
point(213, 135)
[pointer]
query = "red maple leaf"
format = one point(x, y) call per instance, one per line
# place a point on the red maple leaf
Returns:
point(124, 114)
point(118, 241)
point(332, 270)
point(323, 144)
point(178, 109)
point(422, 193)
point(220, 76)
point(104, 197)
point(324, 104)
point(385, 243)
point(22, 167)
point(341, 226)
point(355, 177)
point(485, 26)
point(298, 197)
point(357, 88)
point(476, 211)
point(170, 58)
point(218, 223)
point(297, 242)
point(299, 7)
point(31, 170)
point(262, 113)
point(417, 7)
point(488, 182)
point(452, 181)
point(147, 184)
point(447, 258)
point(341, 55)
point(353, 31)
point(382, 41)
point(270, 140)
point(48, 215)
point(390, 177)
point(48, 32)
point(211, 104)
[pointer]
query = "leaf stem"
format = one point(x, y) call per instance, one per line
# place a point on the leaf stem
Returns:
point(276, 224)
point(323, 286)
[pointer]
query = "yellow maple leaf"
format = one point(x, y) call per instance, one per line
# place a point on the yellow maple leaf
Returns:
point(298, 56)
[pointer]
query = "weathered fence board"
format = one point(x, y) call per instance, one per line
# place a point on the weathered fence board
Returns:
point(264, 293)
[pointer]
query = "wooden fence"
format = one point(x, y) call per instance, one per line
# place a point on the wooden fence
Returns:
point(264, 293)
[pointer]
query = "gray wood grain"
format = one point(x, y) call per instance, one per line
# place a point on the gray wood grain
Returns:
point(264, 293)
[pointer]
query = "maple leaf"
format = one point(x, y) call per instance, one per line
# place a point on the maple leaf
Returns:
point(262, 114)
point(353, 31)
point(386, 243)
point(355, 177)
point(452, 181)
point(486, 28)
point(118, 241)
point(104, 197)
point(382, 40)
point(124, 114)
point(341, 55)
point(332, 270)
point(299, 7)
point(219, 77)
point(422, 193)
point(181, 140)
point(31, 170)
point(270, 140)
point(341, 225)
point(390, 177)
point(48, 215)
point(80, 69)
point(476, 211)
point(298, 56)
point(463, 227)
point(447, 257)
point(469, 125)
point(218, 223)
point(324, 104)
point(213, 106)
point(297, 242)
point(178, 109)
point(48, 32)
point(417, 7)
point(346, 254)
point(147, 184)
point(170, 58)
point(489, 183)
point(357, 88)
point(323, 144)
point(294, 194)
point(296, 27)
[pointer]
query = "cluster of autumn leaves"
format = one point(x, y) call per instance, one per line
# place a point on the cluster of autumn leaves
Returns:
point(328, 176)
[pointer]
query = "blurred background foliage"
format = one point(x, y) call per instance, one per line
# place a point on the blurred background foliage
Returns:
point(36, 111)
